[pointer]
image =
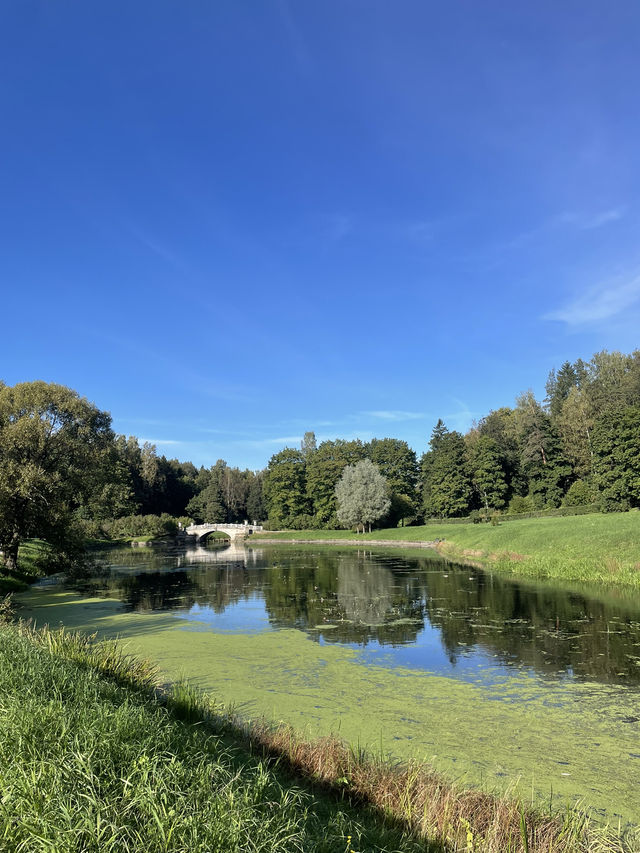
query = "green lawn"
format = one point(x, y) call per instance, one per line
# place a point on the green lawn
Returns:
point(599, 547)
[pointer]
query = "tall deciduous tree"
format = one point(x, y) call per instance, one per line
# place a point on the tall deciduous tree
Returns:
point(50, 437)
point(323, 470)
point(361, 493)
point(398, 464)
point(284, 486)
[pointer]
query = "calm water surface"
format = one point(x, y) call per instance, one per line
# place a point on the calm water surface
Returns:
point(416, 611)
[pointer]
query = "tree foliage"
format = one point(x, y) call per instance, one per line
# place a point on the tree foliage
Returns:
point(361, 494)
point(51, 440)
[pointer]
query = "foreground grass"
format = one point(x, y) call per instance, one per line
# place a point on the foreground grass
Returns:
point(94, 758)
point(598, 547)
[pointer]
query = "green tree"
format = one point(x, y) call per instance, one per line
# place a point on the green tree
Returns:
point(501, 426)
point(308, 444)
point(616, 446)
point(447, 490)
point(285, 486)
point(547, 471)
point(323, 470)
point(256, 509)
point(50, 438)
point(207, 506)
point(575, 425)
point(398, 465)
point(487, 473)
point(558, 387)
point(361, 493)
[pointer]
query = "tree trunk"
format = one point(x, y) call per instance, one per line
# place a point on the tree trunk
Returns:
point(10, 554)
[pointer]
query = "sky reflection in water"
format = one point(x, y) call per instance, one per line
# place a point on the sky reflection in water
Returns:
point(418, 612)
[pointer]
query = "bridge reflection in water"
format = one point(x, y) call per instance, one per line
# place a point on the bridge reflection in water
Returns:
point(233, 553)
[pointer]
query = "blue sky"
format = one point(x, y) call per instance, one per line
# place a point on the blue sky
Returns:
point(228, 223)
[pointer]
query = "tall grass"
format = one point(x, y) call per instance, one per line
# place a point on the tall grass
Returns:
point(95, 756)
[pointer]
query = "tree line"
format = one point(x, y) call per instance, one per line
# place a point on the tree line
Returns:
point(579, 446)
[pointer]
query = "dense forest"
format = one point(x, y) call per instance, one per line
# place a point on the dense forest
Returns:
point(577, 448)
point(580, 446)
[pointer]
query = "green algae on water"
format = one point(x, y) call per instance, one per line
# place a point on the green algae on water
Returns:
point(577, 740)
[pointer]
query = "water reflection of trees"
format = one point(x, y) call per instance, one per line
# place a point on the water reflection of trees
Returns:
point(345, 598)
point(358, 597)
point(547, 628)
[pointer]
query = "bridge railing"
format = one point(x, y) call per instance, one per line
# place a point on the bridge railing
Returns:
point(215, 526)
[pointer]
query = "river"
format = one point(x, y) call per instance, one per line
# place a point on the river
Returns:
point(499, 683)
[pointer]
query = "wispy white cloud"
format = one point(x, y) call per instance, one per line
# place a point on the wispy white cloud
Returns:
point(566, 219)
point(598, 303)
point(589, 221)
point(159, 441)
point(284, 441)
point(395, 415)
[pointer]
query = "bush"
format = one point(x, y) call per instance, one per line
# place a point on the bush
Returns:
point(132, 526)
point(579, 494)
point(609, 504)
point(519, 504)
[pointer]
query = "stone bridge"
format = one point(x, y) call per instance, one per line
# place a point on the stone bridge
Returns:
point(233, 531)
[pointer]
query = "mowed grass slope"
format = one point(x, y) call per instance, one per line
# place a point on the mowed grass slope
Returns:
point(599, 547)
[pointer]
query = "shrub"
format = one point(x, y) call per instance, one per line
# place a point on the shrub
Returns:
point(519, 504)
point(579, 494)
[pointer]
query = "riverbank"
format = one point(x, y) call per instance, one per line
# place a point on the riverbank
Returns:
point(603, 548)
point(121, 764)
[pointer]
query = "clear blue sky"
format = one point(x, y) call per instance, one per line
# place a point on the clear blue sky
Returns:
point(230, 222)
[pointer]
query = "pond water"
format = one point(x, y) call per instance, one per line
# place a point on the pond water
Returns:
point(492, 679)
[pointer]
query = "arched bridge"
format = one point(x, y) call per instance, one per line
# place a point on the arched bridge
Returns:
point(233, 531)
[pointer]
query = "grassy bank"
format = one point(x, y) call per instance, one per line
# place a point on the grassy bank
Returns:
point(32, 558)
point(93, 758)
point(601, 547)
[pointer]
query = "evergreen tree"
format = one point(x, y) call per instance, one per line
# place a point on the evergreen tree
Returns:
point(616, 446)
point(558, 387)
point(547, 471)
point(487, 473)
point(256, 510)
point(447, 490)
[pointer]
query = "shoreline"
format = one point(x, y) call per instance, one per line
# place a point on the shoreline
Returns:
point(386, 543)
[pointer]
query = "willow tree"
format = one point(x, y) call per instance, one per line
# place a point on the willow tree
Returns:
point(51, 441)
point(361, 494)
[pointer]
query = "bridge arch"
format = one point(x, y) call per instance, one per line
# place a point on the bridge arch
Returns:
point(233, 531)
